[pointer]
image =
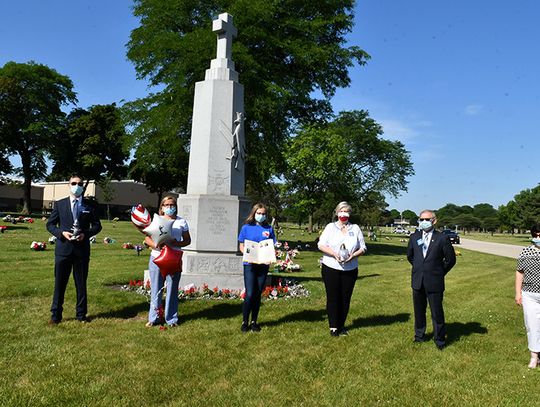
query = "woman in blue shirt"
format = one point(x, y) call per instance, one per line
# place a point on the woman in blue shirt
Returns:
point(256, 229)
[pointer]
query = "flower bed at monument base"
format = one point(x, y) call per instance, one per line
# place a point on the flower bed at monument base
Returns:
point(284, 289)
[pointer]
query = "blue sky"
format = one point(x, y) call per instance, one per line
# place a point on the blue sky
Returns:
point(456, 81)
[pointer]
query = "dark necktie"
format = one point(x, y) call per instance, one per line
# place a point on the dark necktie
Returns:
point(74, 210)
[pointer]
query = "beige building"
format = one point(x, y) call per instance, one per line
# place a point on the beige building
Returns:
point(11, 197)
point(124, 194)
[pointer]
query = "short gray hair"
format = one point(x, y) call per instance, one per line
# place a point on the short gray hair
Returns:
point(428, 210)
point(343, 205)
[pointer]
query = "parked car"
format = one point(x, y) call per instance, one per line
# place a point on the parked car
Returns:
point(401, 231)
point(452, 235)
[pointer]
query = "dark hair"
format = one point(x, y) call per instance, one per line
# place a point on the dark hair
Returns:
point(75, 176)
point(251, 217)
point(535, 230)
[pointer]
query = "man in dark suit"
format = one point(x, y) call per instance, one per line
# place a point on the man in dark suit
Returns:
point(432, 256)
point(72, 247)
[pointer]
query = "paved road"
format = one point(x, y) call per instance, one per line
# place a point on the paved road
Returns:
point(500, 249)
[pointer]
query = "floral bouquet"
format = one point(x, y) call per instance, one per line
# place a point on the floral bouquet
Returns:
point(286, 288)
point(52, 240)
point(108, 240)
point(128, 246)
point(38, 246)
point(3, 229)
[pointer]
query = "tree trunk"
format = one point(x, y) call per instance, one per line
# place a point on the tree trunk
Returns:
point(27, 184)
point(159, 196)
point(310, 223)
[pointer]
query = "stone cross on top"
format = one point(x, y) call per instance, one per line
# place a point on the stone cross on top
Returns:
point(226, 31)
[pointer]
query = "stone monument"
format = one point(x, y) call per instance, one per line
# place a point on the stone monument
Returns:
point(214, 204)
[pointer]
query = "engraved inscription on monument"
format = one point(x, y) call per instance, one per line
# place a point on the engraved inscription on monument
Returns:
point(218, 220)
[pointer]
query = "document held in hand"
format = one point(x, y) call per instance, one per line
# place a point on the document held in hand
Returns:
point(259, 252)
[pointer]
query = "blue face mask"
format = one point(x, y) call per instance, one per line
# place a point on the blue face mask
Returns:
point(425, 225)
point(76, 190)
point(260, 218)
point(536, 241)
point(169, 210)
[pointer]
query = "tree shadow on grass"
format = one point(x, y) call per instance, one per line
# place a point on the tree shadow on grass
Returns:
point(299, 278)
point(301, 316)
point(382, 249)
point(217, 311)
point(12, 227)
point(456, 330)
point(222, 310)
point(378, 320)
point(123, 313)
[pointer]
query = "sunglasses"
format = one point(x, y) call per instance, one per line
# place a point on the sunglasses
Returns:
point(421, 219)
point(77, 183)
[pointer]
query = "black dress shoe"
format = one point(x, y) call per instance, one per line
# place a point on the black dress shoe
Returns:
point(334, 333)
point(419, 340)
point(441, 347)
point(255, 327)
point(244, 328)
point(84, 320)
point(343, 332)
point(53, 322)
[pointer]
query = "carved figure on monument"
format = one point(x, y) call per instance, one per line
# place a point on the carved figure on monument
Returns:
point(238, 151)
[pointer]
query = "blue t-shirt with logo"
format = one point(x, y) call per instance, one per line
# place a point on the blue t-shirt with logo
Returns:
point(256, 233)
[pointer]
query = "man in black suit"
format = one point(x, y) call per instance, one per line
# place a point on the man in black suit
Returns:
point(72, 247)
point(432, 256)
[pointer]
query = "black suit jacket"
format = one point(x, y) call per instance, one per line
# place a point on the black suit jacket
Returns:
point(61, 220)
point(440, 258)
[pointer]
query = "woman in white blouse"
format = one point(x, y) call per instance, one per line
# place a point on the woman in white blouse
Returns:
point(341, 243)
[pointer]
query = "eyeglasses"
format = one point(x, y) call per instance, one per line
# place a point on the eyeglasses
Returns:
point(77, 183)
point(421, 219)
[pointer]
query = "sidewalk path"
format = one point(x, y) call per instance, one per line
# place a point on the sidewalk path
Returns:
point(499, 249)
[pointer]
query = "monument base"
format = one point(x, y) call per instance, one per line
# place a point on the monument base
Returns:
point(222, 270)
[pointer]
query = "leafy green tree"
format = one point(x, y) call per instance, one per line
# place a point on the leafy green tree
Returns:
point(344, 160)
point(484, 211)
point(447, 214)
point(527, 204)
point(509, 217)
point(491, 224)
point(31, 97)
point(370, 211)
point(468, 221)
point(94, 145)
point(159, 164)
point(5, 164)
point(290, 55)
point(411, 216)
point(395, 214)
point(107, 193)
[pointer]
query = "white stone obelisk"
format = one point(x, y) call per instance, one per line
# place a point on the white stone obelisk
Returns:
point(214, 204)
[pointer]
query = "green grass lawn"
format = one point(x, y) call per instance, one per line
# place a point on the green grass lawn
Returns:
point(116, 361)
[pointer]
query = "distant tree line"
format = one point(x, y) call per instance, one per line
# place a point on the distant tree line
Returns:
point(517, 215)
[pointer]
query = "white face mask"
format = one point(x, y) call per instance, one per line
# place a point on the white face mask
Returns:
point(425, 225)
point(260, 218)
point(76, 190)
point(343, 216)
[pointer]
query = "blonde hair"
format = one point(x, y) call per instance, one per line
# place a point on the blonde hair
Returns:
point(173, 198)
point(342, 205)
